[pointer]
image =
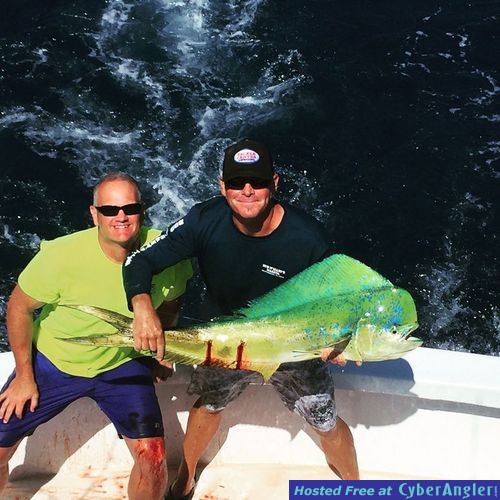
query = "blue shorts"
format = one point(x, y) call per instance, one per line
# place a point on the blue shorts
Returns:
point(306, 388)
point(126, 395)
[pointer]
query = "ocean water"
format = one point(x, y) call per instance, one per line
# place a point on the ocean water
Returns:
point(383, 118)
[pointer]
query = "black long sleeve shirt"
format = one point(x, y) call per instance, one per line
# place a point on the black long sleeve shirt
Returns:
point(236, 268)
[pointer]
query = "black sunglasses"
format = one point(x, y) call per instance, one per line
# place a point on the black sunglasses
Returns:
point(112, 210)
point(241, 182)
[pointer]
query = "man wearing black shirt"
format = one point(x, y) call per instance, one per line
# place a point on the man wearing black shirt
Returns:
point(246, 243)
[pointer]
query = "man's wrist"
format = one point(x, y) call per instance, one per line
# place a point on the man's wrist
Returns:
point(141, 302)
point(25, 373)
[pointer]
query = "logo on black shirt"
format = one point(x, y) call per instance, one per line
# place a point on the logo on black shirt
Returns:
point(175, 225)
point(273, 271)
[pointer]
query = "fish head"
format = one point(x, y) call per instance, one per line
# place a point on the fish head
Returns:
point(390, 310)
point(382, 332)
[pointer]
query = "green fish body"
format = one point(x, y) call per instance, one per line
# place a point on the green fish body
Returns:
point(337, 303)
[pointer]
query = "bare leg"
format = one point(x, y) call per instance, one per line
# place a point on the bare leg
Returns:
point(201, 428)
point(148, 478)
point(338, 446)
point(5, 456)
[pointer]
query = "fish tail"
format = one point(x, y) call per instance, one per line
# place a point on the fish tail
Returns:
point(104, 340)
point(122, 323)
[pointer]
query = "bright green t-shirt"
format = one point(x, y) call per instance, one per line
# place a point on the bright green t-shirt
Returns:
point(74, 270)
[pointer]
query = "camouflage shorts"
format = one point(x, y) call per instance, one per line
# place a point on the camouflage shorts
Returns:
point(306, 387)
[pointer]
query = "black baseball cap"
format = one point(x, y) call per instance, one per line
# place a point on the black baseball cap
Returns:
point(247, 158)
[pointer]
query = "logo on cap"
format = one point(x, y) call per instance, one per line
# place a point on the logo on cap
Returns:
point(246, 156)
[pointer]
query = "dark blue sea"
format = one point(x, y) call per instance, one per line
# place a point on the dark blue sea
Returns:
point(383, 117)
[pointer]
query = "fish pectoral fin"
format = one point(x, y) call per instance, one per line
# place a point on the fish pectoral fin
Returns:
point(304, 355)
point(340, 345)
point(337, 345)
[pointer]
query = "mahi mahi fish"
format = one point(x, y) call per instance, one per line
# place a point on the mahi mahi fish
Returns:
point(337, 303)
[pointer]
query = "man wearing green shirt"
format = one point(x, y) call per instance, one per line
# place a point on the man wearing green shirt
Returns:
point(85, 268)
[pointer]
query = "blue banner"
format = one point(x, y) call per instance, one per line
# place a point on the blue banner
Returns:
point(407, 490)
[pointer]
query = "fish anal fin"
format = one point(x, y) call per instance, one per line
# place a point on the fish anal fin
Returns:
point(183, 359)
point(267, 371)
point(219, 363)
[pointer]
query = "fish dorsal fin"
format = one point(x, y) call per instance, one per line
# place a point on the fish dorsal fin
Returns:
point(333, 276)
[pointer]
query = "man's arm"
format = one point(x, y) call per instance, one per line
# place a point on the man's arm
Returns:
point(138, 273)
point(148, 332)
point(165, 251)
point(148, 323)
point(23, 387)
point(168, 313)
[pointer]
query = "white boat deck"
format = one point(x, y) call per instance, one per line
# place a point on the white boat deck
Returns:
point(216, 482)
point(433, 415)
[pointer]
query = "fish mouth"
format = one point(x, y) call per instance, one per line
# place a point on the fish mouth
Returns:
point(405, 330)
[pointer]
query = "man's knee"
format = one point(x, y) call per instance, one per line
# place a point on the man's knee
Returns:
point(6, 454)
point(4, 462)
point(318, 410)
point(149, 451)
